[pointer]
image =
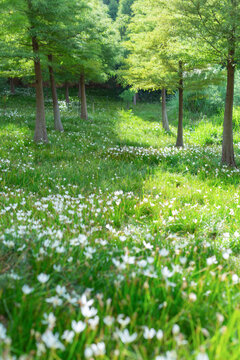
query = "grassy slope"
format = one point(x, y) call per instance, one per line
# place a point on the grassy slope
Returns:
point(161, 229)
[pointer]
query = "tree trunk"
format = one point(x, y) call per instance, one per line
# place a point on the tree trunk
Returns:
point(164, 111)
point(179, 142)
point(79, 89)
point(67, 93)
point(12, 86)
point(56, 112)
point(40, 127)
point(227, 145)
point(135, 99)
point(84, 114)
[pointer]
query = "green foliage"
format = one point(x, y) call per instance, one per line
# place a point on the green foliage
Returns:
point(113, 7)
point(79, 34)
point(208, 100)
point(156, 46)
point(212, 26)
point(125, 7)
point(127, 95)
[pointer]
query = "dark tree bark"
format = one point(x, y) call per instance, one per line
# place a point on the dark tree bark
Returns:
point(40, 127)
point(164, 111)
point(84, 113)
point(227, 145)
point(67, 93)
point(179, 142)
point(56, 112)
point(79, 89)
point(12, 86)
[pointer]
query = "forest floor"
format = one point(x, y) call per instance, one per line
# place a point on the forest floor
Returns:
point(114, 244)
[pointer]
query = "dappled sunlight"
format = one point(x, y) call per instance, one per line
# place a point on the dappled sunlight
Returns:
point(136, 130)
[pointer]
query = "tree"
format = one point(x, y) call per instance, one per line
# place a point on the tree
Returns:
point(152, 60)
point(56, 112)
point(216, 25)
point(125, 12)
point(112, 7)
point(160, 55)
point(43, 25)
point(94, 51)
point(71, 21)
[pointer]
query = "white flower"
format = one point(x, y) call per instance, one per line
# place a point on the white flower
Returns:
point(99, 349)
point(192, 297)
point(235, 279)
point(175, 329)
point(27, 289)
point(202, 356)
point(88, 352)
point(167, 273)
point(149, 333)
point(159, 334)
point(122, 321)
point(142, 263)
point(128, 259)
point(163, 252)
point(226, 256)
point(211, 260)
point(94, 322)
point(170, 355)
point(95, 350)
point(57, 268)
point(41, 349)
point(108, 320)
point(78, 327)
point(49, 320)
point(205, 332)
point(147, 245)
point(43, 278)
point(68, 336)
point(122, 238)
point(125, 337)
point(85, 302)
point(227, 253)
point(220, 317)
point(3, 332)
point(61, 290)
point(183, 260)
point(51, 340)
point(55, 300)
point(88, 312)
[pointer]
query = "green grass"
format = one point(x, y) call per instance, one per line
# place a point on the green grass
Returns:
point(115, 215)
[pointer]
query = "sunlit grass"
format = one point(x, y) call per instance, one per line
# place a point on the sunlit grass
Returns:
point(138, 241)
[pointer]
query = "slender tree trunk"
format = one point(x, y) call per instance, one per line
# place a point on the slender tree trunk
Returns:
point(56, 112)
point(40, 127)
point(164, 111)
point(67, 93)
point(135, 99)
point(12, 86)
point(179, 142)
point(84, 113)
point(79, 89)
point(227, 146)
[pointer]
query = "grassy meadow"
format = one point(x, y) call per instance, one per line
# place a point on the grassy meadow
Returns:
point(116, 245)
